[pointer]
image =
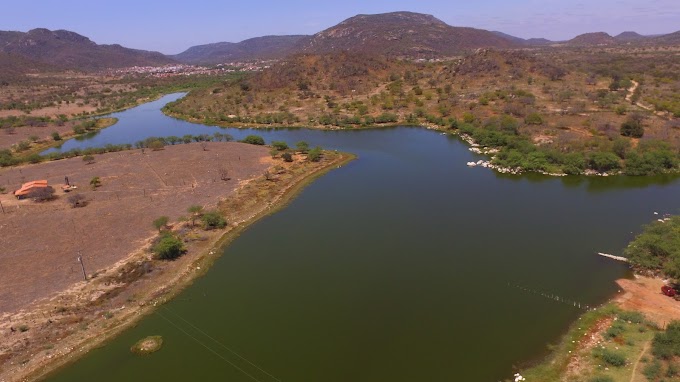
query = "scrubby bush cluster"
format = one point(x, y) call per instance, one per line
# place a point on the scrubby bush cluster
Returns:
point(657, 248)
point(518, 151)
point(168, 247)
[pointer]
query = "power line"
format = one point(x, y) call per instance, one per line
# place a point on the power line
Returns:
point(221, 344)
point(207, 347)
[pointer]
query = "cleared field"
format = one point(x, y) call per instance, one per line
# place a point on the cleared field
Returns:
point(41, 241)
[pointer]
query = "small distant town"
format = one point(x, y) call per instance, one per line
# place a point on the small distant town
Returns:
point(176, 70)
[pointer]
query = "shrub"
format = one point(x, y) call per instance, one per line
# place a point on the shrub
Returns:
point(632, 127)
point(386, 118)
point(314, 154)
point(653, 370)
point(604, 161)
point(302, 146)
point(632, 317)
point(156, 145)
point(43, 194)
point(56, 136)
point(95, 182)
point(672, 370)
point(213, 219)
point(89, 159)
point(23, 146)
point(34, 158)
point(280, 145)
point(615, 330)
point(666, 345)
point(612, 358)
point(533, 119)
point(253, 140)
point(168, 247)
point(76, 200)
point(287, 157)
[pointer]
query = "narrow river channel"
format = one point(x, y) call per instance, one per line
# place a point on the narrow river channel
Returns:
point(400, 266)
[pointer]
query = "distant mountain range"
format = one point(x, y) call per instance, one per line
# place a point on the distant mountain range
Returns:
point(63, 49)
point(263, 48)
point(396, 34)
point(401, 34)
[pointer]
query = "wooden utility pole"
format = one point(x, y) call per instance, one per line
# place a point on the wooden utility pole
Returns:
point(3, 207)
point(82, 266)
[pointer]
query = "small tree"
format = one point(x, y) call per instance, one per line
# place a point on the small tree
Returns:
point(23, 146)
point(161, 223)
point(280, 145)
point(314, 154)
point(88, 159)
point(76, 200)
point(533, 119)
point(302, 146)
point(632, 127)
point(213, 219)
point(195, 212)
point(169, 247)
point(156, 145)
point(95, 182)
point(254, 140)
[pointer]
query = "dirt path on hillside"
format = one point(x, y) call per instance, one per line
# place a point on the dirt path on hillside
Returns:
point(631, 92)
point(637, 362)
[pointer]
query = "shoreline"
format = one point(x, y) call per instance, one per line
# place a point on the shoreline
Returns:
point(162, 290)
point(567, 358)
point(473, 146)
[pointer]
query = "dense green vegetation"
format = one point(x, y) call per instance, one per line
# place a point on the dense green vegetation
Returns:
point(213, 220)
point(517, 151)
point(657, 248)
point(7, 158)
point(253, 140)
point(666, 345)
point(168, 247)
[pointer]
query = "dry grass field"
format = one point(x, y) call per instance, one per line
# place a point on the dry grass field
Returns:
point(41, 241)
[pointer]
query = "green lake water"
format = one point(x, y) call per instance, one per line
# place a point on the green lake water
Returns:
point(401, 266)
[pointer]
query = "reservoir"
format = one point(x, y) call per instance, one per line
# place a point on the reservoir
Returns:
point(404, 265)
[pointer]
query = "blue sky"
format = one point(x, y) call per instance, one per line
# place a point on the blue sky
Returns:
point(171, 26)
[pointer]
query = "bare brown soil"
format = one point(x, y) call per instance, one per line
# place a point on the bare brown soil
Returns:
point(643, 294)
point(41, 241)
point(53, 331)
